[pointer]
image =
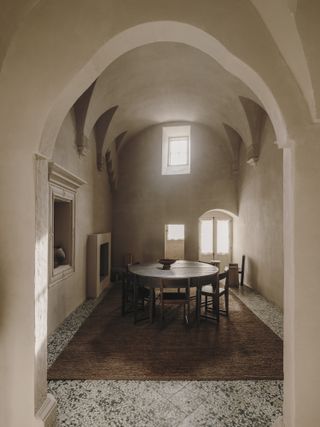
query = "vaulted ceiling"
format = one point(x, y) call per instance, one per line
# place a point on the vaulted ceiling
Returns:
point(166, 82)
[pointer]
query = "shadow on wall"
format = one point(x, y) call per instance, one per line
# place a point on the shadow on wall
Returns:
point(251, 273)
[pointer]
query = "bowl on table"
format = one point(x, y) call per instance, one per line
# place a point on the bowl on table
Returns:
point(166, 263)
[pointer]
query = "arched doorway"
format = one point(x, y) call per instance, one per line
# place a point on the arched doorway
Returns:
point(57, 102)
point(216, 237)
point(173, 32)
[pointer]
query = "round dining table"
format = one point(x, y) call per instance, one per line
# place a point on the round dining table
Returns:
point(197, 273)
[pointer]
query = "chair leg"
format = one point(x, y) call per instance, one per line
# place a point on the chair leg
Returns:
point(241, 277)
point(154, 302)
point(162, 312)
point(135, 301)
point(151, 304)
point(206, 303)
point(124, 296)
point(215, 302)
point(198, 307)
point(188, 312)
point(226, 302)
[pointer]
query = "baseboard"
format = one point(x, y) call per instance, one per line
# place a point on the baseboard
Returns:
point(47, 414)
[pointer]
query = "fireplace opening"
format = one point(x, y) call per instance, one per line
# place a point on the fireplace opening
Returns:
point(98, 263)
point(104, 260)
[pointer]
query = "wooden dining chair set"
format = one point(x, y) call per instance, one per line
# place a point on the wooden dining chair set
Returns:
point(136, 294)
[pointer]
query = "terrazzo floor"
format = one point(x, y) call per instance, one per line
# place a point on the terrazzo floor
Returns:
point(166, 403)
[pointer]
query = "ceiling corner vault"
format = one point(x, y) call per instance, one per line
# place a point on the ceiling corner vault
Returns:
point(119, 139)
point(256, 117)
point(110, 171)
point(80, 108)
point(233, 143)
point(100, 130)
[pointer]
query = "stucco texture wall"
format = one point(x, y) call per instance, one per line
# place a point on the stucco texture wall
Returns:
point(93, 215)
point(146, 200)
point(258, 231)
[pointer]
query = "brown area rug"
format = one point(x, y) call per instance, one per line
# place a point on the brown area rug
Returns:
point(108, 346)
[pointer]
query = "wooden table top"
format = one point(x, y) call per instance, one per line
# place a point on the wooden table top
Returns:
point(181, 269)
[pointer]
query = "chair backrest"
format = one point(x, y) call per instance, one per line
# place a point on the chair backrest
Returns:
point(128, 275)
point(243, 261)
point(233, 275)
point(225, 275)
point(127, 259)
point(174, 284)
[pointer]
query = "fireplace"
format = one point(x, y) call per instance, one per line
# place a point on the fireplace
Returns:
point(104, 261)
point(98, 263)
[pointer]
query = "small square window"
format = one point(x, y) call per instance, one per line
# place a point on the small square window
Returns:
point(206, 236)
point(175, 232)
point(223, 237)
point(176, 150)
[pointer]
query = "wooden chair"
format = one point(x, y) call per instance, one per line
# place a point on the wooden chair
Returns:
point(233, 275)
point(135, 295)
point(142, 296)
point(175, 297)
point(127, 305)
point(241, 270)
point(208, 292)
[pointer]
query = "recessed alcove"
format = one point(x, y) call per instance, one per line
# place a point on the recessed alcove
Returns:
point(104, 261)
point(62, 232)
point(98, 263)
point(63, 186)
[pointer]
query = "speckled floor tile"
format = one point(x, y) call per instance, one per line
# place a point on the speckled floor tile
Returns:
point(238, 403)
point(267, 312)
point(64, 333)
point(140, 393)
point(169, 388)
point(165, 414)
point(95, 403)
point(189, 398)
point(166, 403)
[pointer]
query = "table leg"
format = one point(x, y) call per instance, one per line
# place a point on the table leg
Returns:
point(217, 299)
point(135, 299)
point(198, 304)
point(124, 297)
point(151, 304)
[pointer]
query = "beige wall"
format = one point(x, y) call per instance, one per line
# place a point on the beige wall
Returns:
point(258, 231)
point(34, 51)
point(146, 200)
point(93, 214)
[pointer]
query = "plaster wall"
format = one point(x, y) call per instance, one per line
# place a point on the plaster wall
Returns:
point(34, 52)
point(174, 249)
point(146, 200)
point(258, 230)
point(305, 278)
point(93, 215)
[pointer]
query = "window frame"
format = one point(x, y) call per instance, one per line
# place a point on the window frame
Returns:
point(63, 271)
point(63, 186)
point(175, 225)
point(229, 223)
point(170, 132)
point(212, 239)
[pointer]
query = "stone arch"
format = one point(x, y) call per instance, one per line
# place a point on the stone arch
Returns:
point(219, 210)
point(162, 31)
point(62, 102)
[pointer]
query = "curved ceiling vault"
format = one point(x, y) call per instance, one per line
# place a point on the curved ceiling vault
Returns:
point(167, 82)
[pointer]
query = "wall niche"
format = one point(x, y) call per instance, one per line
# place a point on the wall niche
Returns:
point(63, 186)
